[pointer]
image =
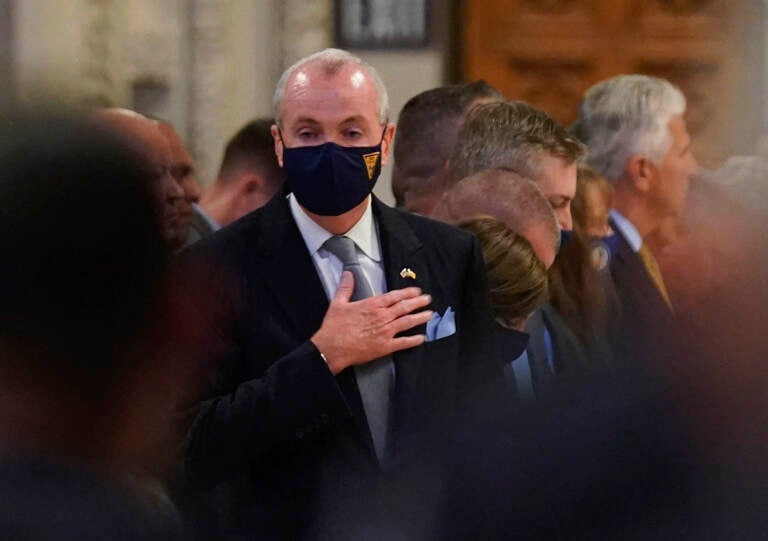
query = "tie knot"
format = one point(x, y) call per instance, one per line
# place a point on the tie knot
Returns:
point(343, 248)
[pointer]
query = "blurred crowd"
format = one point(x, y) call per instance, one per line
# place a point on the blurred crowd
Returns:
point(555, 335)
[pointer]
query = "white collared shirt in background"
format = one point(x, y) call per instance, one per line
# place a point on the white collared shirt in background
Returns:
point(627, 230)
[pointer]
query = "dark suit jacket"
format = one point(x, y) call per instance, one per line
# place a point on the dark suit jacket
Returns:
point(648, 326)
point(570, 357)
point(287, 438)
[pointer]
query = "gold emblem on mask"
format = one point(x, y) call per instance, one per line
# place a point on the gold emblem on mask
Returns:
point(370, 163)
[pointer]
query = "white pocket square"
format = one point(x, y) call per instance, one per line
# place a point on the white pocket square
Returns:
point(441, 326)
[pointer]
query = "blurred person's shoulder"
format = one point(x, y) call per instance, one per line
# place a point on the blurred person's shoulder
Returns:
point(57, 501)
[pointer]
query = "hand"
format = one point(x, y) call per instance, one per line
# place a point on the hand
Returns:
point(358, 332)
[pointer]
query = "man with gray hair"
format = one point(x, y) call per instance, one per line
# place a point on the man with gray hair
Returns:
point(637, 138)
point(516, 136)
point(326, 399)
point(513, 135)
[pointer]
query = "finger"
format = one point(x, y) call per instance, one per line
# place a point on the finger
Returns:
point(406, 342)
point(397, 295)
point(409, 321)
point(407, 306)
point(346, 287)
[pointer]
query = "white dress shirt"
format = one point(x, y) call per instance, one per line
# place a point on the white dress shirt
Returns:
point(365, 235)
point(627, 230)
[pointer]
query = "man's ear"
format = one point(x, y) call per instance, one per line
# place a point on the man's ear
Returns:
point(386, 142)
point(251, 194)
point(250, 184)
point(640, 171)
point(275, 131)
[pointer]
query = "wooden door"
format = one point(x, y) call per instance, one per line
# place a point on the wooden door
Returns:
point(548, 52)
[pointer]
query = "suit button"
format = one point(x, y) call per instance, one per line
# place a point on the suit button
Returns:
point(300, 434)
point(324, 418)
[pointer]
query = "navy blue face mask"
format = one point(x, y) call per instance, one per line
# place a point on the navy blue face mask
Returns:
point(330, 179)
point(565, 237)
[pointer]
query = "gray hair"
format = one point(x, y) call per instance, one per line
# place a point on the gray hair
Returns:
point(627, 115)
point(331, 60)
point(511, 135)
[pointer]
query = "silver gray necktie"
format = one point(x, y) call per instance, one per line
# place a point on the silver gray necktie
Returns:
point(375, 379)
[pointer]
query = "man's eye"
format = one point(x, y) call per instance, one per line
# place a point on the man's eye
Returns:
point(307, 135)
point(353, 134)
point(558, 204)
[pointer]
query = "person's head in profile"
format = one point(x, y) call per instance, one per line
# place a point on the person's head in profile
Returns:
point(81, 293)
point(592, 204)
point(517, 278)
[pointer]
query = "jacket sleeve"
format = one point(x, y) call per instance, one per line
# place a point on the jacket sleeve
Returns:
point(236, 419)
point(296, 397)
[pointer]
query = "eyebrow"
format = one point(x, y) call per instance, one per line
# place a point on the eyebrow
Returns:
point(312, 121)
point(352, 119)
point(307, 120)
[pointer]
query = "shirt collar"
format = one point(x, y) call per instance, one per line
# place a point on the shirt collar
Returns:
point(627, 230)
point(213, 224)
point(363, 233)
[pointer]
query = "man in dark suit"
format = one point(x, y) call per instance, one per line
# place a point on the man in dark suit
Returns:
point(514, 135)
point(334, 385)
point(637, 137)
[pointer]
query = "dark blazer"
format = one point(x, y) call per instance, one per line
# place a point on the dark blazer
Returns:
point(570, 357)
point(648, 326)
point(288, 439)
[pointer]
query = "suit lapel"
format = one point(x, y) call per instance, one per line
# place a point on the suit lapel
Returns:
point(401, 249)
point(290, 272)
point(537, 352)
point(631, 277)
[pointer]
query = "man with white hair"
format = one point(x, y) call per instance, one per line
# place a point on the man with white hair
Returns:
point(637, 138)
point(325, 391)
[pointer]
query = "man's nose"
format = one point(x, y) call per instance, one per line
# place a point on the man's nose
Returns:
point(564, 217)
point(192, 191)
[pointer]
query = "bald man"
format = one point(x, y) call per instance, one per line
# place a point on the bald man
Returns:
point(354, 336)
point(523, 207)
point(144, 135)
point(508, 197)
point(183, 172)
